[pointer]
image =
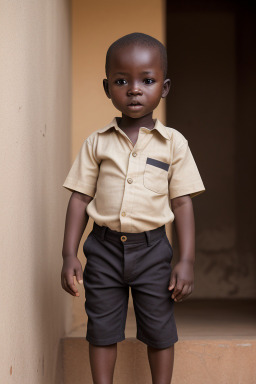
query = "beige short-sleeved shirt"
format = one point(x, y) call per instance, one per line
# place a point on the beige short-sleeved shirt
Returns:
point(132, 185)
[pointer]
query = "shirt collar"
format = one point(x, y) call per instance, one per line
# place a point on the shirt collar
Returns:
point(158, 126)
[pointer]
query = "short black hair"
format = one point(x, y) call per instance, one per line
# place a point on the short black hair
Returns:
point(139, 39)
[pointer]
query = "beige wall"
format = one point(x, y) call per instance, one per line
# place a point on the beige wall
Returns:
point(95, 25)
point(35, 147)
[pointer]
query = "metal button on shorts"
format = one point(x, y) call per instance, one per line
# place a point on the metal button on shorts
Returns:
point(117, 261)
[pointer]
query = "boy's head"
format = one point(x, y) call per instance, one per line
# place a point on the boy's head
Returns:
point(136, 67)
point(139, 40)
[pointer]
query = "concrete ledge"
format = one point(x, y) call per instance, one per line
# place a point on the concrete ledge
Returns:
point(196, 362)
point(217, 345)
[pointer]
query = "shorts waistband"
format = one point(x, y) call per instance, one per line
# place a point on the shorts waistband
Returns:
point(147, 237)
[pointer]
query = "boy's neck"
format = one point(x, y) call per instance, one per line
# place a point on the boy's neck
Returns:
point(126, 122)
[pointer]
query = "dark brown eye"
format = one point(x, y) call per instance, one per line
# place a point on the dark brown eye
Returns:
point(121, 82)
point(149, 81)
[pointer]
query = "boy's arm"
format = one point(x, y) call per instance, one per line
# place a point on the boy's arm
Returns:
point(182, 277)
point(76, 221)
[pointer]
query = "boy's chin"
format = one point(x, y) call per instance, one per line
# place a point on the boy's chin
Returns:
point(135, 115)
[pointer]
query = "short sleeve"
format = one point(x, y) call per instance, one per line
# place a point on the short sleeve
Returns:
point(184, 178)
point(83, 174)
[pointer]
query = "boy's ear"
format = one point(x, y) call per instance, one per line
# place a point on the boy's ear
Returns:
point(105, 86)
point(166, 88)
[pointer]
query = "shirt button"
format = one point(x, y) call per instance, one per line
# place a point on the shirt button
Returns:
point(129, 180)
point(123, 214)
point(134, 154)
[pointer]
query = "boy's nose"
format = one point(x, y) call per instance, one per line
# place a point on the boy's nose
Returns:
point(134, 90)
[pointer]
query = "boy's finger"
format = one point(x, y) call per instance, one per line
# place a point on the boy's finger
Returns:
point(67, 289)
point(79, 276)
point(183, 293)
point(189, 291)
point(71, 285)
point(178, 289)
point(172, 282)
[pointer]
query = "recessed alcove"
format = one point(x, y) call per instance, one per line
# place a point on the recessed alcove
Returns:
point(212, 61)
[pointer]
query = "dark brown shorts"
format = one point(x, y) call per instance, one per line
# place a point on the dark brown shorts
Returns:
point(115, 261)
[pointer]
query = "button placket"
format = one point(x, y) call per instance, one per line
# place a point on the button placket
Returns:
point(128, 197)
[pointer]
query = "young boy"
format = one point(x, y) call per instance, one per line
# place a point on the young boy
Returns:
point(132, 177)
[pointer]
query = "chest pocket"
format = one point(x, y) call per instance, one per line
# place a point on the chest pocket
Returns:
point(155, 176)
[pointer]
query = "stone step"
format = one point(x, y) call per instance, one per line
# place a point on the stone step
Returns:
point(217, 345)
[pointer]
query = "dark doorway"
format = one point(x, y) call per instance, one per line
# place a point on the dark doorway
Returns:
point(212, 65)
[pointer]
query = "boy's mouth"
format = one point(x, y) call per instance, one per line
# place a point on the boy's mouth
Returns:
point(135, 107)
point(134, 103)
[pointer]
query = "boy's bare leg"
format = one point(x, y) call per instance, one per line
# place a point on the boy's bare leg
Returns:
point(161, 364)
point(102, 360)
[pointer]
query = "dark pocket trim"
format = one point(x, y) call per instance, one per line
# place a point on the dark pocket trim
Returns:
point(157, 163)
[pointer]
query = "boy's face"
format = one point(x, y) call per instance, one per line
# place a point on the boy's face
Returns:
point(135, 81)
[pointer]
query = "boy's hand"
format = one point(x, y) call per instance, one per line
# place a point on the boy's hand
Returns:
point(182, 280)
point(71, 267)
